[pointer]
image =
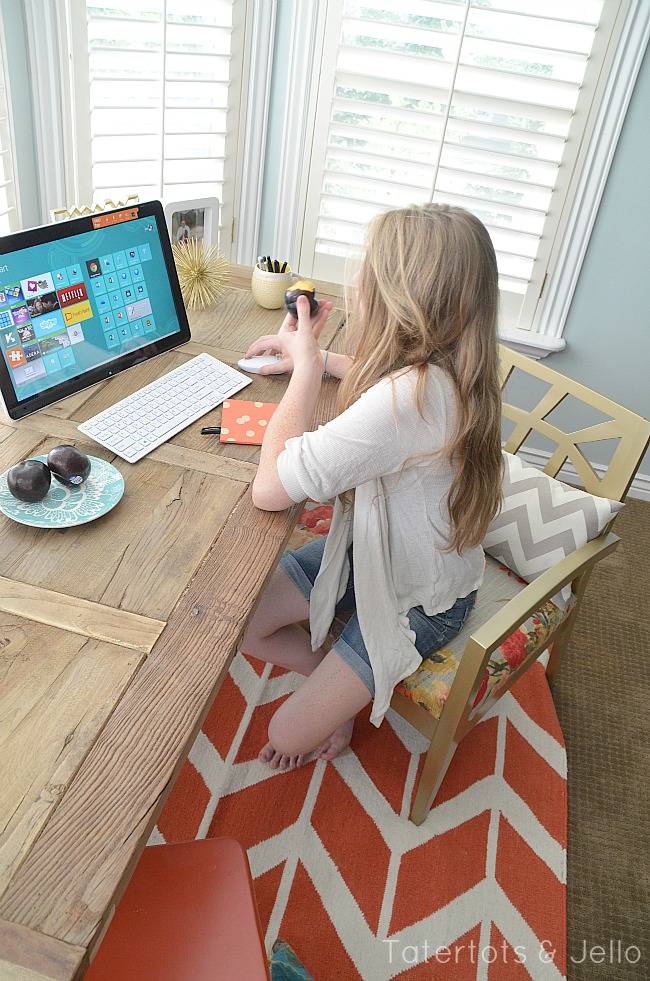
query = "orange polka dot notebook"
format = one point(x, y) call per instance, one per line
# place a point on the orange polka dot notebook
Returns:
point(245, 422)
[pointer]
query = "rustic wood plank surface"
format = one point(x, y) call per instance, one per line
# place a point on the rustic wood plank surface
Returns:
point(140, 555)
point(151, 730)
point(67, 685)
point(116, 636)
point(29, 956)
point(81, 617)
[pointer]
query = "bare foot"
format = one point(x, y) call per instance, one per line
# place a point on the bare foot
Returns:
point(332, 747)
point(279, 762)
point(337, 742)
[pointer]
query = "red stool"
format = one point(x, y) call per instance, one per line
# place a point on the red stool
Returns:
point(188, 914)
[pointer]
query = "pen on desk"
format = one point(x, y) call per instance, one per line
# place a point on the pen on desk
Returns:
point(211, 431)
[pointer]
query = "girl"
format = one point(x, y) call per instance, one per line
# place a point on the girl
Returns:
point(413, 459)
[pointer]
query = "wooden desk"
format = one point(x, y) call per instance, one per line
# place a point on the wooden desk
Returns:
point(114, 639)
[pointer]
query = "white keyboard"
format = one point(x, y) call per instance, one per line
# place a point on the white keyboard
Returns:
point(152, 415)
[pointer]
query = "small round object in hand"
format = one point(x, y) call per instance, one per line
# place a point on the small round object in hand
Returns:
point(302, 288)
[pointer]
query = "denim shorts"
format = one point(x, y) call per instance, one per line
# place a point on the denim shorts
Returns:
point(431, 632)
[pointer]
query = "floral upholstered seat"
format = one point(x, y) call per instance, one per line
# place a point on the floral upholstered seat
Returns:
point(430, 684)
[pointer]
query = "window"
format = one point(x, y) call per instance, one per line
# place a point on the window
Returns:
point(159, 77)
point(472, 102)
point(9, 219)
point(148, 87)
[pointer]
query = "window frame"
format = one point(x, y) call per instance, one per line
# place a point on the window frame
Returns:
point(14, 221)
point(257, 71)
point(586, 183)
point(54, 103)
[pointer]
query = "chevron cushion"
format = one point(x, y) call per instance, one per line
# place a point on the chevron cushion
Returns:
point(543, 520)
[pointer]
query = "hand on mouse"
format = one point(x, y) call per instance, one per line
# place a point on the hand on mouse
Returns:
point(273, 343)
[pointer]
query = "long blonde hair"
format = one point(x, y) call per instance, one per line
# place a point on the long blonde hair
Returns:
point(427, 293)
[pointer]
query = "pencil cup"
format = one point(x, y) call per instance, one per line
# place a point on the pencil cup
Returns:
point(268, 288)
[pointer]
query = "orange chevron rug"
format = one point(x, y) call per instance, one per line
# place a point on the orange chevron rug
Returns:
point(477, 893)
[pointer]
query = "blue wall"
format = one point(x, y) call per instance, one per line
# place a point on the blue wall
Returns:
point(608, 327)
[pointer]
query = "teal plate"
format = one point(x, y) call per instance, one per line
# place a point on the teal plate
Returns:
point(64, 507)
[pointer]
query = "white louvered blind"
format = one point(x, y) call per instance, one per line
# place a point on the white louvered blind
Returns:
point(9, 219)
point(159, 97)
point(481, 104)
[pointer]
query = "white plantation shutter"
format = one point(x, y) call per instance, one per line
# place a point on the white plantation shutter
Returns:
point(159, 75)
point(9, 219)
point(481, 104)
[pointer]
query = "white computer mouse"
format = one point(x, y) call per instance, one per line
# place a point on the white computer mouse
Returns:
point(253, 365)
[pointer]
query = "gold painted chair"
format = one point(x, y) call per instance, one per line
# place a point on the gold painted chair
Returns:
point(548, 533)
point(514, 622)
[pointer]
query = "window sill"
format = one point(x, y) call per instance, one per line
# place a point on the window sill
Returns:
point(535, 345)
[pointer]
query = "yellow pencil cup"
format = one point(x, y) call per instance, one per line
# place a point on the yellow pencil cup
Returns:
point(268, 288)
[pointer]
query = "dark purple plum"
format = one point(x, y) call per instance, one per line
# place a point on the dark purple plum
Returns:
point(29, 481)
point(69, 465)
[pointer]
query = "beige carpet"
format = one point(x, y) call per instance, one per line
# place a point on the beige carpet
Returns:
point(602, 696)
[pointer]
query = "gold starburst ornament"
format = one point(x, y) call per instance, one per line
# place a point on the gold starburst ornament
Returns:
point(202, 272)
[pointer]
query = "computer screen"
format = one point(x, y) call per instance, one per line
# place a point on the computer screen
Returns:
point(81, 300)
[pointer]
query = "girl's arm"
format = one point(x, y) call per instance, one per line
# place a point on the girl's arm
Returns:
point(337, 365)
point(294, 413)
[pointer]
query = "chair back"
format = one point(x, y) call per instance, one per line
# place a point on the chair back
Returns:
point(630, 429)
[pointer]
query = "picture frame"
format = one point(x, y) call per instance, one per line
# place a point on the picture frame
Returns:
point(196, 219)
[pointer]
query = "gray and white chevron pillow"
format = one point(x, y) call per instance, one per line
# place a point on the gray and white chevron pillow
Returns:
point(541, 521)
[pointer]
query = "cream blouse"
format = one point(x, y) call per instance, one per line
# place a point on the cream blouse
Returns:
point(398, 524)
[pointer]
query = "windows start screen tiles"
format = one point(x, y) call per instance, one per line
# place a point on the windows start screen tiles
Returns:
point(43, 317)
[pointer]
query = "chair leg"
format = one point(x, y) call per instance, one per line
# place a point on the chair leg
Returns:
point(564, 631)
point(439, 756)
point(452, 722)
point(558, 648)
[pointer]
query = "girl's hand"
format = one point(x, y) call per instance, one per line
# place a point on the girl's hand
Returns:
point(300, 342)
point(275, 343)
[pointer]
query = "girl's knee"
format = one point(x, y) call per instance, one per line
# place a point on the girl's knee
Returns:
point(282, 735)
point(258, 627)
